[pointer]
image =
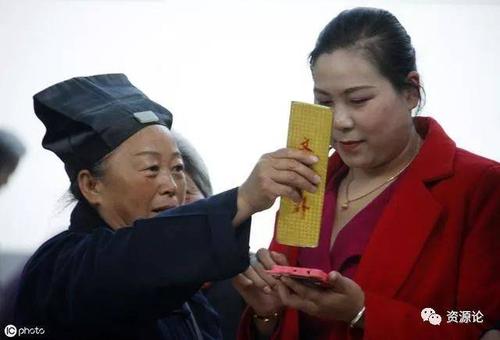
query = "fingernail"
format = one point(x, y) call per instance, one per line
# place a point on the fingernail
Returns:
point(267, 290)
point(312, 189)
point(317, 179)
point(314, 159)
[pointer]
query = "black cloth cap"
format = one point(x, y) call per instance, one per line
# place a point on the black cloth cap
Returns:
point(88, 117)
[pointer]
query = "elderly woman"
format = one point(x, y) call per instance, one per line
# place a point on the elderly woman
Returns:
point(410, 222)
point(131, 257)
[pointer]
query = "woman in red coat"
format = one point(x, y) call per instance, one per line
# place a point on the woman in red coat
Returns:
point(410, 223)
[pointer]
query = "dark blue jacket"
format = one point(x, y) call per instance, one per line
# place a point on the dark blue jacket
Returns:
point(91, 282)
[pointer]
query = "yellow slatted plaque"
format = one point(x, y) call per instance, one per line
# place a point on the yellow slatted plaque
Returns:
point(309, 129)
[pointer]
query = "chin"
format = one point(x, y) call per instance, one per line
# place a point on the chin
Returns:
point(357, 162)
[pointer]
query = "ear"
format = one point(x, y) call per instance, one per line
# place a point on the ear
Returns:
point(412, 95)
point(90, 187)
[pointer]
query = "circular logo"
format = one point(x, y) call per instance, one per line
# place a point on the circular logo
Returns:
point(10, 331)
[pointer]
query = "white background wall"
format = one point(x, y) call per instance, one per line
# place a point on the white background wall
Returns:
point(227, 70)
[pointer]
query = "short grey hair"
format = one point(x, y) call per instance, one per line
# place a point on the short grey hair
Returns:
point(194, 165)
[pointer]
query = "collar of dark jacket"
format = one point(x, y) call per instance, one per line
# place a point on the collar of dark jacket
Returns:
point(84, 218)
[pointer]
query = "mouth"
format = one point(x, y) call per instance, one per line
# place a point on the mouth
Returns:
point(350, 145)
point(163, 208)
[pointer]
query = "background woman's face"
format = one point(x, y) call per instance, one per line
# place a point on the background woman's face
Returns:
point(143, 176)
point(372, 121)
point(193, 193)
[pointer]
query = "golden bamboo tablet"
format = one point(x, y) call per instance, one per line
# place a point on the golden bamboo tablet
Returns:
point(309, 129)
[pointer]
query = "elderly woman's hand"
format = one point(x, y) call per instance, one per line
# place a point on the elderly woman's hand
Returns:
point(285, 172)
point(342, 301)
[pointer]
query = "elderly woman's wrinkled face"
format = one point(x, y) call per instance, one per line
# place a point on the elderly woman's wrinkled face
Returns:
point(143, 176)
point(372, 121)
point(193, 193)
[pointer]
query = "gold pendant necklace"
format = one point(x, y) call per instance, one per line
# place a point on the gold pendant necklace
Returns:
point(348, 201)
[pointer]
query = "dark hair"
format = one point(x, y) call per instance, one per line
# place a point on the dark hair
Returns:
point(194, 165)
point(11, 150)
point(380, 36)
point(97, 170)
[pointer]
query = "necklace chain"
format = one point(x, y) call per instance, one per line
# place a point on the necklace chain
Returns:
point(348, 201)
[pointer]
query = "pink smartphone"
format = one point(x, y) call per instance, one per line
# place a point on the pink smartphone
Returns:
point(309, 276)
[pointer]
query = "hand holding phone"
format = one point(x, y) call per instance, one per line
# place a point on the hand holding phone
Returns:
point(308, 276)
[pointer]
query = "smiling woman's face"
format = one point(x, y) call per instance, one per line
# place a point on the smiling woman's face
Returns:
point(142, 177)
point(372, 122)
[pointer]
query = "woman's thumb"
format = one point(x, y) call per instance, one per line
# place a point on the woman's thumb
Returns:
point(279, 258)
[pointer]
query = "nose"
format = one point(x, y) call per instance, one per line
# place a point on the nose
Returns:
point(342, 119)
point(168, 186)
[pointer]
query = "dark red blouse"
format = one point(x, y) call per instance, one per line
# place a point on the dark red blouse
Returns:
point(346, 252)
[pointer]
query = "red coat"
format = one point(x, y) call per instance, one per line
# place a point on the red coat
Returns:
point(436, 245)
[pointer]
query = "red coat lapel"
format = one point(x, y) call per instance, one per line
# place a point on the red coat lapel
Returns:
point(398, 238)
point(409, 217)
